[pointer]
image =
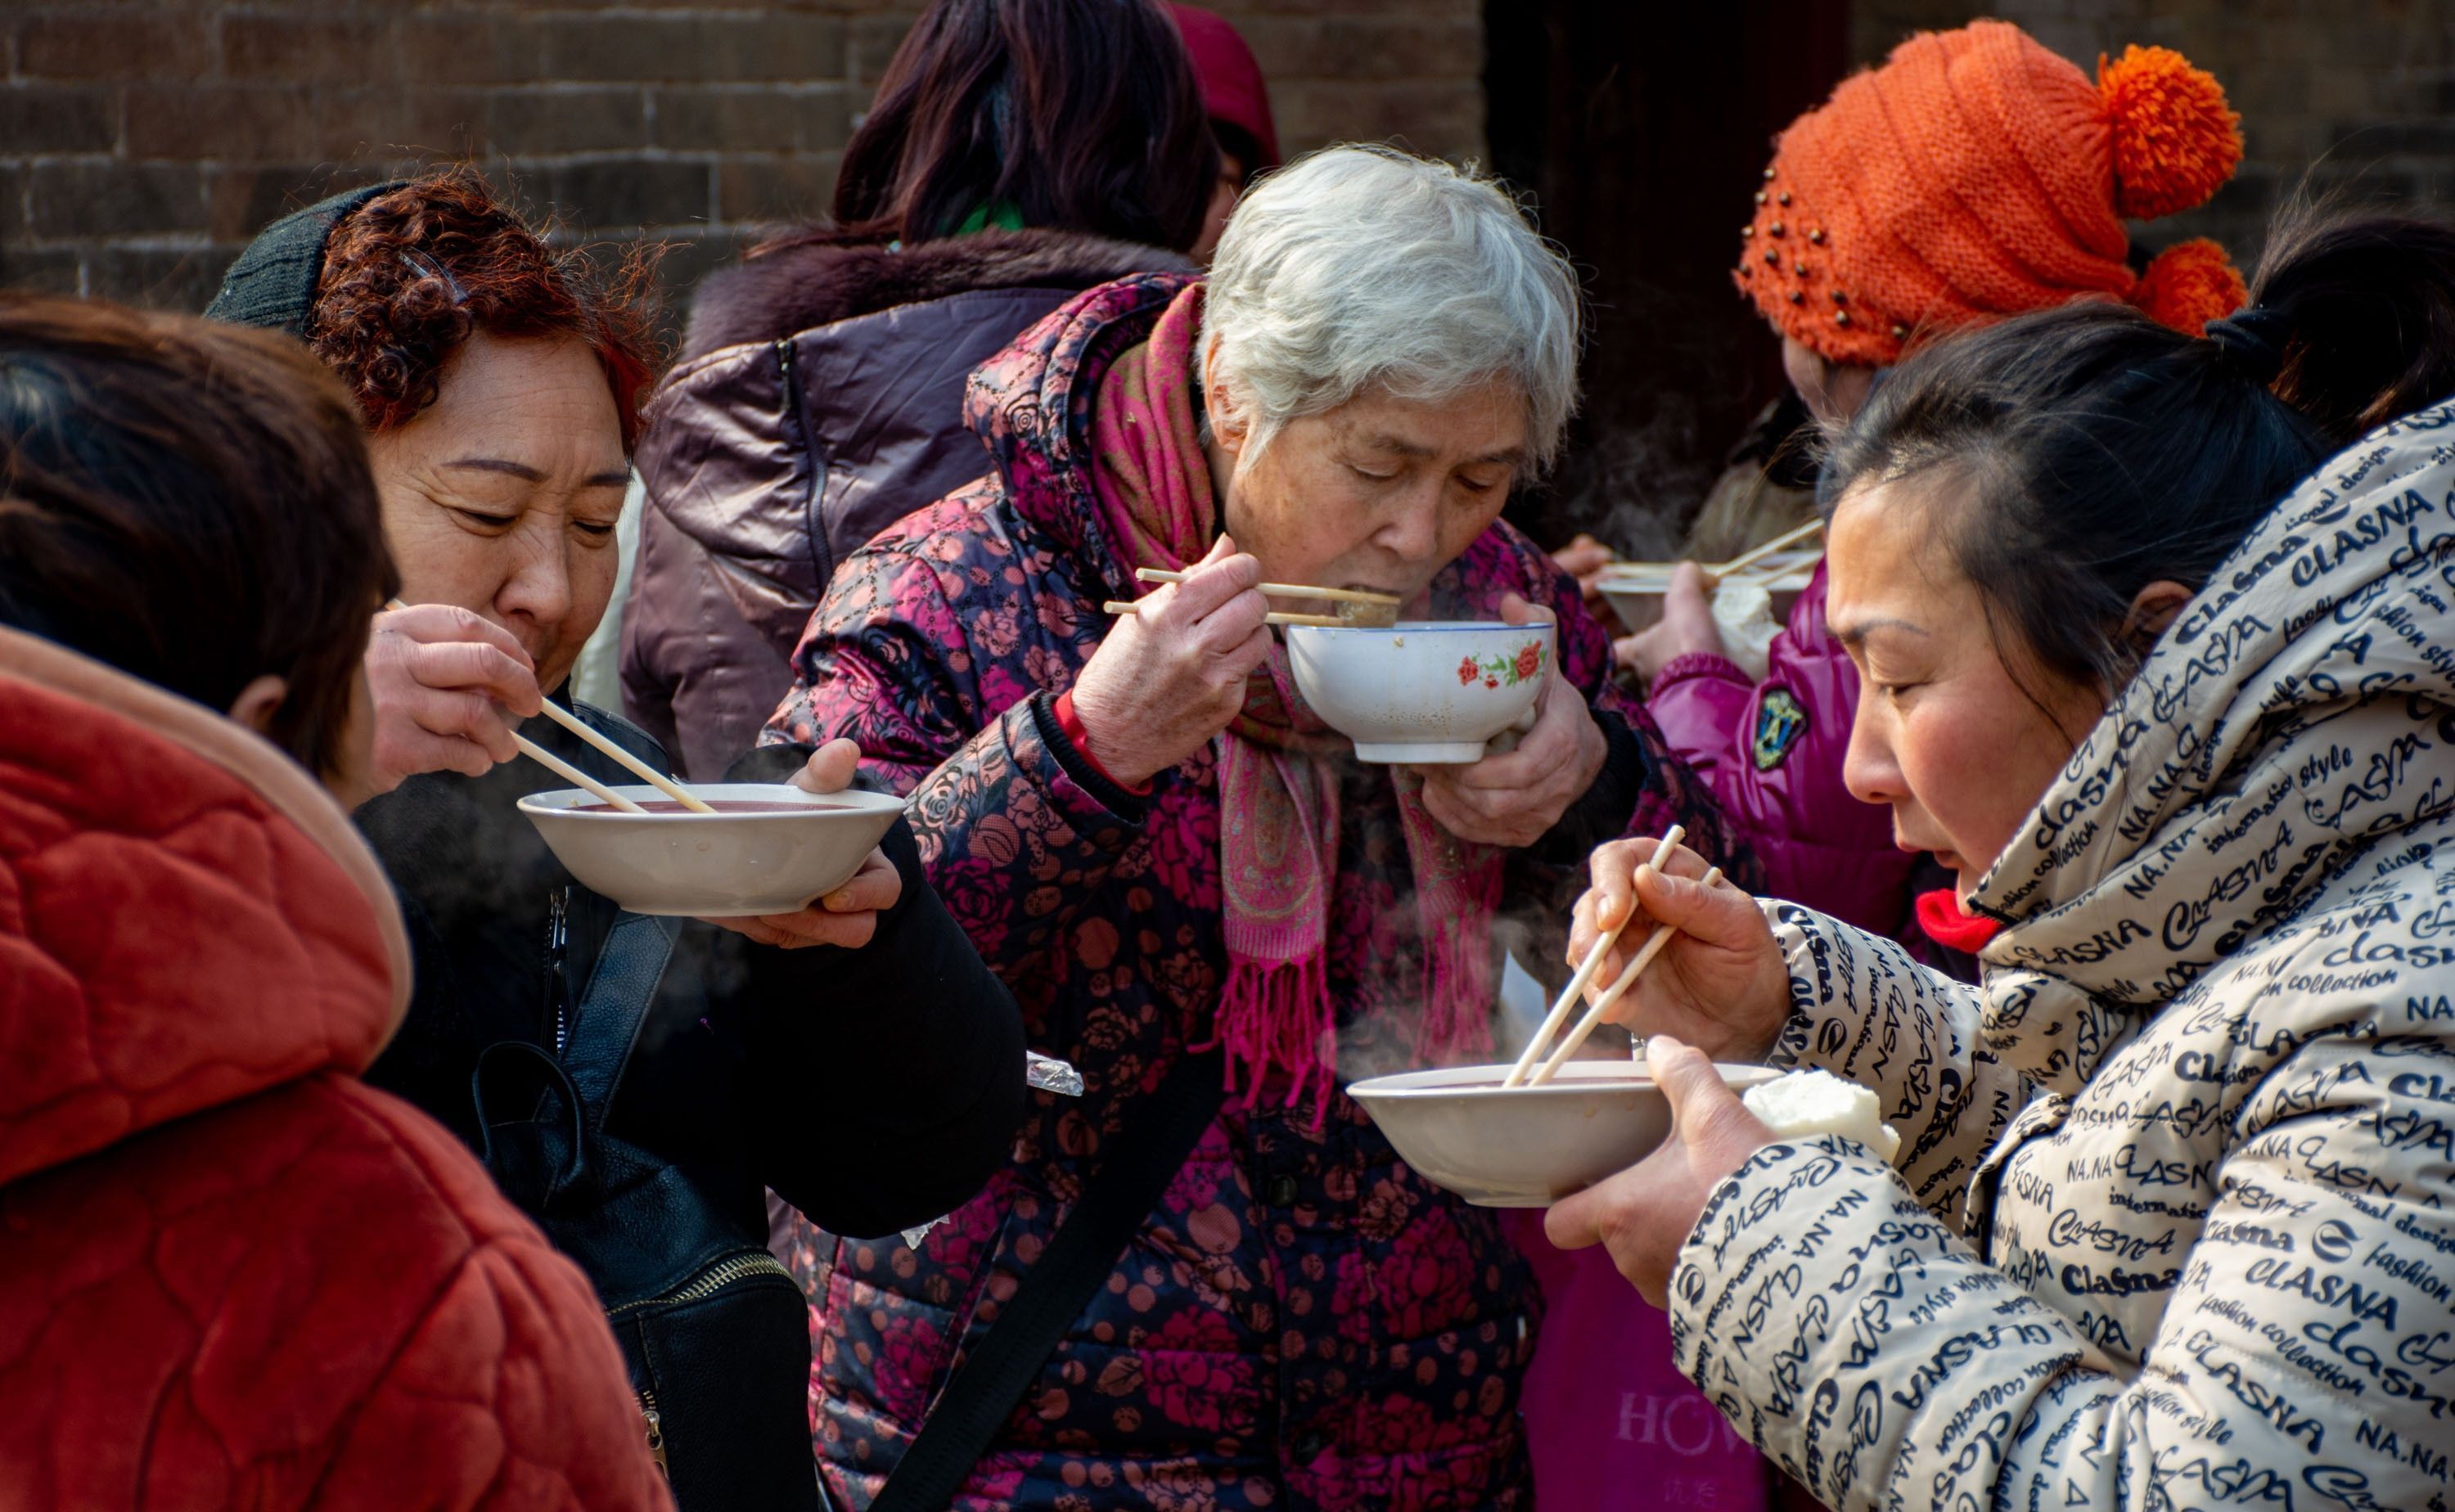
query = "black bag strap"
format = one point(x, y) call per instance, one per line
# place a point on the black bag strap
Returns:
point(1148, 1152)
point(621, 987)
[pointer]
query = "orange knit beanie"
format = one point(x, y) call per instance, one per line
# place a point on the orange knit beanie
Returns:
point(1976, 175)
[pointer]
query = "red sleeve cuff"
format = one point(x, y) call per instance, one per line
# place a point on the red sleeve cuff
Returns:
point(1072, 724)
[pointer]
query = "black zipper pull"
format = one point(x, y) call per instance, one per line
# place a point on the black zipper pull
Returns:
point(557, 939)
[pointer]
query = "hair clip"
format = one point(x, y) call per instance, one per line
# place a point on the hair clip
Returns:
point(425, 267)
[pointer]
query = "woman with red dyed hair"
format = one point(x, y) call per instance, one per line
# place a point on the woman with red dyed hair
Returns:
point(499, 381)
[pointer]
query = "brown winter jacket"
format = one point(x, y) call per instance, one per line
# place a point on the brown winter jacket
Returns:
point(819, 399)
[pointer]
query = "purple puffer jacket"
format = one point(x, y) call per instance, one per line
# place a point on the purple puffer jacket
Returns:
point(1771, 751)
point(819, 397)
point(1303, 1322)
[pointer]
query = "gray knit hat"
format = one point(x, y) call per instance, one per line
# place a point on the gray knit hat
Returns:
point(272, 284)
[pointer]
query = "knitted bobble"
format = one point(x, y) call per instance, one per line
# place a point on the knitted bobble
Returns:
point(2176, 141)
point(2188, 285)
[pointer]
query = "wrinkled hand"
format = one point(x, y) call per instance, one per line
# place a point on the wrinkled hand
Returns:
point(1512, 798)
point(1644, 1214)
point(446, 687)
point(1720, 984)
point(1686, 626)
point(848, 915)
point(1172, 675)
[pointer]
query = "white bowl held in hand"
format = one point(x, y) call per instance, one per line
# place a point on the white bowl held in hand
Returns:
point(769, 849)
point(1525, 1146)
point(1424, 691)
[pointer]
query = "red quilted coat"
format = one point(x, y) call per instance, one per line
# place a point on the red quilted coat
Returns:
point(230, 1274)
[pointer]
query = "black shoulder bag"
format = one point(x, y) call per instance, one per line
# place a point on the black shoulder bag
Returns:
point(713, 1328)
point(1154, 1143)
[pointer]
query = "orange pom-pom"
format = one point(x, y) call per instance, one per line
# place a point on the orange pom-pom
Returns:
point(2188, 285)
point(2176, 141)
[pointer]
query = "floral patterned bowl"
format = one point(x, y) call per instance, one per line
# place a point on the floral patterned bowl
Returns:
point(1422, 692)
point(1526, 1146)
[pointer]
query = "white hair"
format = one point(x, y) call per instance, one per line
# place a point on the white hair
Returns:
point(1362, 267)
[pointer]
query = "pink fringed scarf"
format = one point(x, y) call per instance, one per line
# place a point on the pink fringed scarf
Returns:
point(1278, 786)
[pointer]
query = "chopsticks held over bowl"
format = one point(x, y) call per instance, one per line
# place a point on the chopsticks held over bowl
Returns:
point(1749, 558)
point(1593, 1018)
point(1359, 608)
point(625, 759)
point(1586, 969)
point(1119, 606)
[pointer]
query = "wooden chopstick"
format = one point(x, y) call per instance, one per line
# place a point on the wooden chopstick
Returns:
point(629, 763)
point(1593, 1018)
point(1119, 606)
point(1559, 1014)
point(1340, 596)
point(572, 774)
point(1749, 558)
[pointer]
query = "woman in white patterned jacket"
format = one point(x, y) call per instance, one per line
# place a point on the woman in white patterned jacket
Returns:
point(2168, 1222)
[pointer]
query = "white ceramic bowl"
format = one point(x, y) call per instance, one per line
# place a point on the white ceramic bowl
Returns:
point(714, 865)
point(1424, 691)
point(1635, 590)
point(1526, 1146)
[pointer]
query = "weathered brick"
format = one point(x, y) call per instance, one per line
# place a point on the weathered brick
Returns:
point(567, 120)
point(776, 190)
point(459, 49)
point(298, 49)
point(102, 45)
point(98, 197)
point(628, 191)
point(753, 118)
point(183, 279)
point(44, 270)
point(871, 42)
point(12, 204)
point(1384, 49)
point(393, 122)
point(37, 118)
point(796, 47)
point(241, 201)
point(248, 124)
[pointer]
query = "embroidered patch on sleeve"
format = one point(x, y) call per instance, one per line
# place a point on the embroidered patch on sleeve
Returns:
point(1779, 723)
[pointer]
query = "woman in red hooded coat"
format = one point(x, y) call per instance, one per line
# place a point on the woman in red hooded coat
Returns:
point(233, 1275)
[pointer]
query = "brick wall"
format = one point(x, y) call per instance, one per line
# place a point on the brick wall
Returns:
point(142, 144)
point(2356, 93)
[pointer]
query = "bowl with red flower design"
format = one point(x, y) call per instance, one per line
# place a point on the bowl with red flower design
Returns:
point(1421, 692)
point(766, 849)
point(1524, 1146)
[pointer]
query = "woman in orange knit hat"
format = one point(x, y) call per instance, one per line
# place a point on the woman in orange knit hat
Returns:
point(1975, 175)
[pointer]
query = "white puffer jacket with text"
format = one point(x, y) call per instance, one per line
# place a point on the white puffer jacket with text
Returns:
point(2169, 1226)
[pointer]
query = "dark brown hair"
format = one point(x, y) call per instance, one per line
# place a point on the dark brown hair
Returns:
point(2103, 452)
point(1084, 116)
point(411, 273)
point(190, 502)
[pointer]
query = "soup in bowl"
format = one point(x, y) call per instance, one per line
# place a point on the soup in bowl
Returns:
point(767, 849)
point(1526, 1146)
point(1428, 691)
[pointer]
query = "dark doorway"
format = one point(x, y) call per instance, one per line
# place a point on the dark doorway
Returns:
point(1639, 130)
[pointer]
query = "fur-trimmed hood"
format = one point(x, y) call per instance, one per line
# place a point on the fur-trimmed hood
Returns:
point(821, 279)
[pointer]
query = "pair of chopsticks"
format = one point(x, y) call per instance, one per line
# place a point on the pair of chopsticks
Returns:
point(1526, 1072)
point(1722, 571)
point(573, 774)
point(1335, 595)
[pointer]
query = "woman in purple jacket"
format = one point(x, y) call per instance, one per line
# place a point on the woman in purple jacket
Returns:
point(1163, 851)
point(1924, 197)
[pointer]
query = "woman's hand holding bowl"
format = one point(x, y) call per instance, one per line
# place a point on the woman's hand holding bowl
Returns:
point(1644, 1214)
point(1172, 675)
point(1720, 983)
point(447, 688)
point(1514, 797)
point(848, 915)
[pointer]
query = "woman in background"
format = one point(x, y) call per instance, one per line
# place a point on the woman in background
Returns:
point(1018, 153)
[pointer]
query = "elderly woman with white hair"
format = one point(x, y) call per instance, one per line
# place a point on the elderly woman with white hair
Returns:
point(1198, 894)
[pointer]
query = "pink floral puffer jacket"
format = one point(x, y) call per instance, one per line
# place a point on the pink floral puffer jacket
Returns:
point(1303, 1322)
